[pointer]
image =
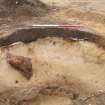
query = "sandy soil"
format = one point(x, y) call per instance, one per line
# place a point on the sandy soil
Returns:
point(55, 62)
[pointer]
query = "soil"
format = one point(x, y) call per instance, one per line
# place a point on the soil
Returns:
point(22, 8)
point(64, 72)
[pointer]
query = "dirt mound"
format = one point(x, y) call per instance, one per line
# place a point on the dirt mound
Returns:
point(22, 8)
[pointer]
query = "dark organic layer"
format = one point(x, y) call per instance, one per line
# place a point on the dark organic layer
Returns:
point(32, 34)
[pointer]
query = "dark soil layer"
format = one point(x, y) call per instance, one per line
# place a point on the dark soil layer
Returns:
point(33, 34)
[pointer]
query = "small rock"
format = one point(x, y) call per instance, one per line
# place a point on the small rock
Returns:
point(22, 64)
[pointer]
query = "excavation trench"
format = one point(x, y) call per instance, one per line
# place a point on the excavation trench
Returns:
point(28, 35)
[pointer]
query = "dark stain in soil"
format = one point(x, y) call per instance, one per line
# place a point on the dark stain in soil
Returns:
point(33, 34)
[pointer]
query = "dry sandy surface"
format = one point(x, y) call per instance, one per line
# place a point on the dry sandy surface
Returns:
point(64, 72)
